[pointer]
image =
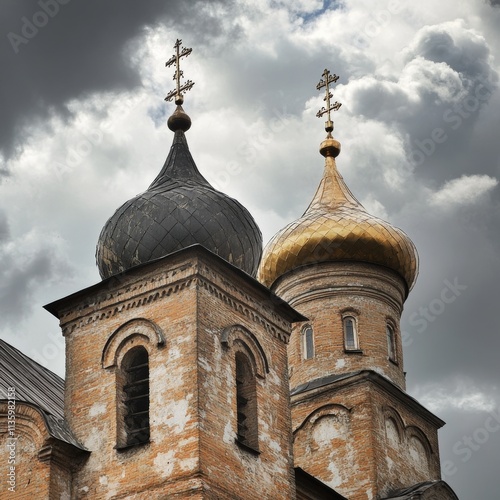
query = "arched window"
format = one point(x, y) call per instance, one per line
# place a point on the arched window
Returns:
point(308, 342)
point(246, 403)
point(135, 396)
point(391, 343)
point(350, 334)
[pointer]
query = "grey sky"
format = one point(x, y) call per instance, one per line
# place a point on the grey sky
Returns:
point(83, 128)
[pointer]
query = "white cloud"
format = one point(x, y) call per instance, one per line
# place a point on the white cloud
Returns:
point(255, 64)
point(465, 190)
point(453, 43)
point(374, 207)
point(459, 394)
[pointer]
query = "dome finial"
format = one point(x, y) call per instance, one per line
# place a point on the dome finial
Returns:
point(179, 119)
point(330, 146)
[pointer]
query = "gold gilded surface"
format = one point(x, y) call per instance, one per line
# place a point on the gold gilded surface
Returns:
point(336, 227)
point(325, 82)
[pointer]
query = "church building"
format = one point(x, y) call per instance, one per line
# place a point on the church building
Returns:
point(202, 367)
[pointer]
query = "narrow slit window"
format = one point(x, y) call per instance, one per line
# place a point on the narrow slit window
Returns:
point(391, 343)
point(308, 342)
point(136, 396)
point(246, 403)
point(350, 334)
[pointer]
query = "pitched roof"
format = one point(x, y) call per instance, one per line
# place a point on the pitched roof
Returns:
point(36, 385)
point(422, 490)
point(311, 488)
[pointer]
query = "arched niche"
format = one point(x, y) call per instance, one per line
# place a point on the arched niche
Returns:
point(394, 426)
point(238, 337)
point(145, 330)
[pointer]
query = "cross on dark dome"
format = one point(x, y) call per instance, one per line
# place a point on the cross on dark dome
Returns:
point(179, 89)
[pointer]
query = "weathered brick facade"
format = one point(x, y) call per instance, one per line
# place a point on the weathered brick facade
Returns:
point(192, 312)
point(324, 293)
point(354, 426)
point(188, 379)
point(348, 421)
point(364, 437)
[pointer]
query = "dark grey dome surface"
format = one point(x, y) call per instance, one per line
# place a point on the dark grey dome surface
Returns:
point(179, 209)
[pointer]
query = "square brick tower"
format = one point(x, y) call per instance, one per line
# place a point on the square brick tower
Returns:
point(176, 362)
point(177, 383)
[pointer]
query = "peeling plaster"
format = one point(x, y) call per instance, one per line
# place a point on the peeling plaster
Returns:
point(325, 430)
point(203, 362)
point(273, 378)
point(164, 463)
point(336, 479)
point(175, 415)
point(97, 409)
point(96, 440)
point(275, 446)
point(174, 353)
point(340, 363)
point(229, 435)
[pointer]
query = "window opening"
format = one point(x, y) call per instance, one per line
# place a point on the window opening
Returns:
point(136, 396)
point(246, 403)
point(391, 343)
point(308, 342)
point(350, 335)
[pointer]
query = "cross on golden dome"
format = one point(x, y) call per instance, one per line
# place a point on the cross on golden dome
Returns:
point(176, 58)
point(325, 82)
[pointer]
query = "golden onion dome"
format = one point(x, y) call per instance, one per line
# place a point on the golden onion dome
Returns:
point(336, 227)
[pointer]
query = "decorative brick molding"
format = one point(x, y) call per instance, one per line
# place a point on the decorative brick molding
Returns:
point(235, 334)
point(125, 305)
point(158, 294)
point(241, 307)
point(144, 328)
point(336, 410)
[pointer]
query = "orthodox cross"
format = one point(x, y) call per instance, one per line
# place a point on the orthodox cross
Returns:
point(325, 82)
point(176, 58)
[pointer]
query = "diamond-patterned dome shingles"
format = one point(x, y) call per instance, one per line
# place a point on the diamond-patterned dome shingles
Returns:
point(336, 227)
point(179, 209)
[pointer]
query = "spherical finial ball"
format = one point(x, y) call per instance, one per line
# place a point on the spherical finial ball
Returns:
point(179, 120)
point(330, 147)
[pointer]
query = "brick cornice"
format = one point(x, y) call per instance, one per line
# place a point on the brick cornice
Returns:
point(62, 454)
point(141, 293)
point(276, 330)
point(317, 282)
point(368, 377)
point(113, 305)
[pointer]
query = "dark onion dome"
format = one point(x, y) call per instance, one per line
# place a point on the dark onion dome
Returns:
point(336, 227)
point(179, 209)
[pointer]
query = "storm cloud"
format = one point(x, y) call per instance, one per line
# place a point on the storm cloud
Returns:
point(83, 129)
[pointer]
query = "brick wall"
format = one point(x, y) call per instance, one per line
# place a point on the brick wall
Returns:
point(355, 428)
point(324, 293)
point(190, 300)
point(32, 477)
